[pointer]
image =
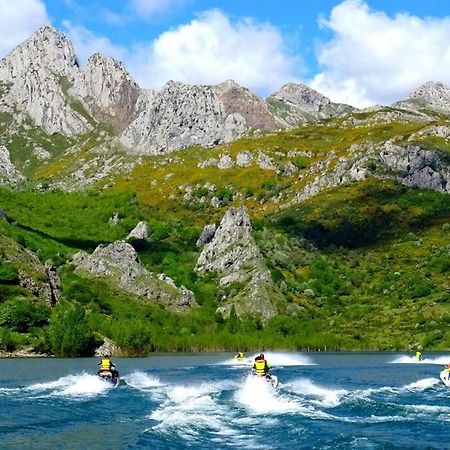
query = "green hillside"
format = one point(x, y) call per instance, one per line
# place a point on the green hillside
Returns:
point(362, 266)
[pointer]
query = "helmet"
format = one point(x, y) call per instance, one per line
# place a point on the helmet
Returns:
point(261, 355)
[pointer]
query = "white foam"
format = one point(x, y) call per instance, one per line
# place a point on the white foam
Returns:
point(443, 360)
point(141, 380)
point(330, 397)
point(247, 362)
point(74, 385)
point(274, 359)
point(190, 409)
point(429, 409)
point(260, 397)
point(405, 359)
point(423, 384)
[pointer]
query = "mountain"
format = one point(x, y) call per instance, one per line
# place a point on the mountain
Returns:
point(297, 103)
point(432, 96)
point(203, 217)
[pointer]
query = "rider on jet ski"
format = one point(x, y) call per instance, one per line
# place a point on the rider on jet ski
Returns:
point(107, 368)
point(261, 366)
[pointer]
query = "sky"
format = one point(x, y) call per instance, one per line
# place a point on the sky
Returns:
point(360, 52)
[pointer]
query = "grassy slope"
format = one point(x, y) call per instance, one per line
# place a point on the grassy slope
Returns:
point(377, 269)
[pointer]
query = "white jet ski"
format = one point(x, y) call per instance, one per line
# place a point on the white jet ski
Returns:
point(445, 377)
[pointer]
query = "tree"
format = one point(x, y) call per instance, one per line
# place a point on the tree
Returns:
point(69, 333)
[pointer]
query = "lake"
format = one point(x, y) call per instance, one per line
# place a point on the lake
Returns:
point(210, 401)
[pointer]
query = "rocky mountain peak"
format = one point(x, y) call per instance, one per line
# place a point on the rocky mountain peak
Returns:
point(301, 95)
point(36, 75)
point(432, 95)
point(47, 48)
point(431, 90)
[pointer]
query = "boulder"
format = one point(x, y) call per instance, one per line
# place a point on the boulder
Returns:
point(140, 231)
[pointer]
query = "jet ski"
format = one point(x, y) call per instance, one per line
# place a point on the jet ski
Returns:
point(111, 376)
point(445, 377)
point(272, 379)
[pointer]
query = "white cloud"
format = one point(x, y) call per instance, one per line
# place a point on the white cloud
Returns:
point(211, 49)
point(18, 20)
point(373, 58)
point(86, 43)
point(147, 8)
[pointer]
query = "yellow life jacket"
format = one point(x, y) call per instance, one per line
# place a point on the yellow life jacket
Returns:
point(105, 364)
point(260, 366)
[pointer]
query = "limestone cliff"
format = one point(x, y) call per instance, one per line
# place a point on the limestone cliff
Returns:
point(234, 255)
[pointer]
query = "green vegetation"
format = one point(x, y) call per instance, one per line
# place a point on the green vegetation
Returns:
point(363, 266)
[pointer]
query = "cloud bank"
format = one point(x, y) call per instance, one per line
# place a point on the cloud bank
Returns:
point(373, 58)
point(211, 49)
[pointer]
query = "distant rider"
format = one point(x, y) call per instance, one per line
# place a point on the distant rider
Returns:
point(261, 366)
point(240, 356)
point(419, 356)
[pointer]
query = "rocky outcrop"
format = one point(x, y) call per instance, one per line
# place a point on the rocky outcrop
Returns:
point(434, 96)
point(41, 280)
point(107, 91)
point(235, 257)
point(36, 74)
point(140, 231)
point(297, 103)
point(182, 116)
point(8, 172)
point(120, 265)
point(411, 165)
point(109, 348)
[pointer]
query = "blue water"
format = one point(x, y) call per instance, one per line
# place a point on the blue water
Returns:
point(323, 401)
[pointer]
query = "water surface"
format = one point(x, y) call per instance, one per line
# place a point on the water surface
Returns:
point(204, 401)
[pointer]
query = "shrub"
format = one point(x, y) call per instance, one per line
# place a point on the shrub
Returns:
point(20, 314)
point(8, 274)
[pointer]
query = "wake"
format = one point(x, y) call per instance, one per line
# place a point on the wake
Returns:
point(79, 386)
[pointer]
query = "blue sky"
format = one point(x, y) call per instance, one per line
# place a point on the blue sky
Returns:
point(360, 52)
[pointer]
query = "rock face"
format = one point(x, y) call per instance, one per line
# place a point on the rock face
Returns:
point(34, 77)
point(8, 173)
point(237, 99)
point(434, 96)
point(234, 255)
point(41, 280)
point(297, 103)
point(107, 91)
point(207, 235)
point(410, 165)
point(182, 116)
point(108, 347)
point(119, 264)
